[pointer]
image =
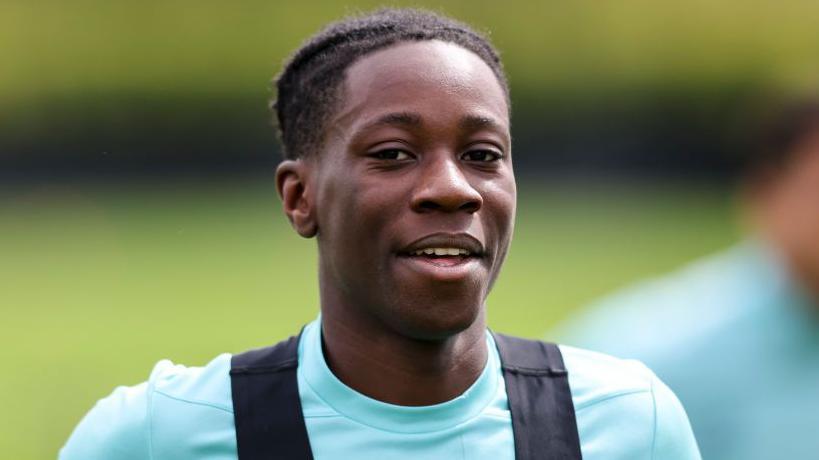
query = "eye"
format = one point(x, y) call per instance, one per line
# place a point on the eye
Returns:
point(482, 155)
point(391, 154)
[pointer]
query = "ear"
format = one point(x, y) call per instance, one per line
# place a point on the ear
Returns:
point(293, 185)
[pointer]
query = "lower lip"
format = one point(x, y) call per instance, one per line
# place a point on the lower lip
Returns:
point(444, 268)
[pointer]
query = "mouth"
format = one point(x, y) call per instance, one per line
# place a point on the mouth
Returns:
point(444, 250)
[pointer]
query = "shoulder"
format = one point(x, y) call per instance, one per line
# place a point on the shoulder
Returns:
point(624, 411)
point(136, 421)
point(595, 377)
point(691, 305)
point(208, 385)
point(116, 427)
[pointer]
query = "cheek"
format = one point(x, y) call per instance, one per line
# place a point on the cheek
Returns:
point(500, 201)
point(355, 212)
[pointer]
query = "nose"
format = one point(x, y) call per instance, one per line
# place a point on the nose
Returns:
point(442, 186)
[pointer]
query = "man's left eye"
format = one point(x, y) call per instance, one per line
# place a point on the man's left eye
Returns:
point(481, 156)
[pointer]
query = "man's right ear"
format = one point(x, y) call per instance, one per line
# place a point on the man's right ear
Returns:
point(294, 187)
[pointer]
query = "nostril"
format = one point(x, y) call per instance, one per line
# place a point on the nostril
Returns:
point(471, 206)
point(429, 205)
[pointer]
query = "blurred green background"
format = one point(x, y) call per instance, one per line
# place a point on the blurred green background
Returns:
point(100, 282)
point(138, 218)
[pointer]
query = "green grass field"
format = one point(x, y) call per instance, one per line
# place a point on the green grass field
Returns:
point(98, 283)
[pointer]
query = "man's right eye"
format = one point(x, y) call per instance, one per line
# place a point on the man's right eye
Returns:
point(391, 154)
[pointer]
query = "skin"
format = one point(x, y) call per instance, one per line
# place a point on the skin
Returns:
point(419, 147)
point(785, 207)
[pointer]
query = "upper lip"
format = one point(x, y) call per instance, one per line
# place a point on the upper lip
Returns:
point(446, 240)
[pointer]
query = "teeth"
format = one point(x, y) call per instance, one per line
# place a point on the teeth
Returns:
point(441, 252)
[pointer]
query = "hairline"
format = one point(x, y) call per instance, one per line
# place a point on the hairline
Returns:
point(338, 94)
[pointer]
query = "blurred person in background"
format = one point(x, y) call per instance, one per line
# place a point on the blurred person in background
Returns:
point(736, 335)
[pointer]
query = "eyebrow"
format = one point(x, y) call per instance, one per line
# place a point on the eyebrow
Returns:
point(408, 119)
point(477, 122)
point(411, 119)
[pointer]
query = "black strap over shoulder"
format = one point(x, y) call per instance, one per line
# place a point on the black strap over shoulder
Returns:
point(266, 404)
point(270, 423)
point(540, 400)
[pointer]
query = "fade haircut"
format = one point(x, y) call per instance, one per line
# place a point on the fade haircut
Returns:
point(787, 124)
point(309, 87)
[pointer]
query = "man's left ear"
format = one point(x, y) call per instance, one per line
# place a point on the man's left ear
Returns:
point(293, 185)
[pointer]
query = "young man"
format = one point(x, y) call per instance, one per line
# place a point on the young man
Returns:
point(736, 334)
point(395, 127)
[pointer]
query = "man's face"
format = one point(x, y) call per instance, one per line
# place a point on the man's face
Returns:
point(789, 211)
point(414, 189)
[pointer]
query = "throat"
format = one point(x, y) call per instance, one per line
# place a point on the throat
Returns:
point(402, 371)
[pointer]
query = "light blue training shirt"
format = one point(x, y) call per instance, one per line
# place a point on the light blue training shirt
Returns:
point(735, 338)
point(181, 413)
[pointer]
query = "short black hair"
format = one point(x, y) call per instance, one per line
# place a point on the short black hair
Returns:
point(308, 89)
point(782, 129)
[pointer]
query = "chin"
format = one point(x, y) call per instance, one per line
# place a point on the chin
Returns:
point(435, 318)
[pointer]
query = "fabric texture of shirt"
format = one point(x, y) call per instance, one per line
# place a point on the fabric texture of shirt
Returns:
point(623, 412)
point(735, 339)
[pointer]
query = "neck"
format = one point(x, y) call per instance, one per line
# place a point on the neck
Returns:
point(384, 365)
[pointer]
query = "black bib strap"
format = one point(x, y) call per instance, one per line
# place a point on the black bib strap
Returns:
point(266, 404)
point(540, 400)
point(270, 423)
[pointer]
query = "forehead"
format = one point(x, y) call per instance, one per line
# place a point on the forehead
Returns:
point(427, 76)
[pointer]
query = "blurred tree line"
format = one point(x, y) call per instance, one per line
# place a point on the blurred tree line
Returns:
point(637, 86)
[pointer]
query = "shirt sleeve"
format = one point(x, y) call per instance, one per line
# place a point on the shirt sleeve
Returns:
point(116, 427)
point(673, 437)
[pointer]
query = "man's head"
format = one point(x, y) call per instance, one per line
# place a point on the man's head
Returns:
point(407, 178)
point(783, 185)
